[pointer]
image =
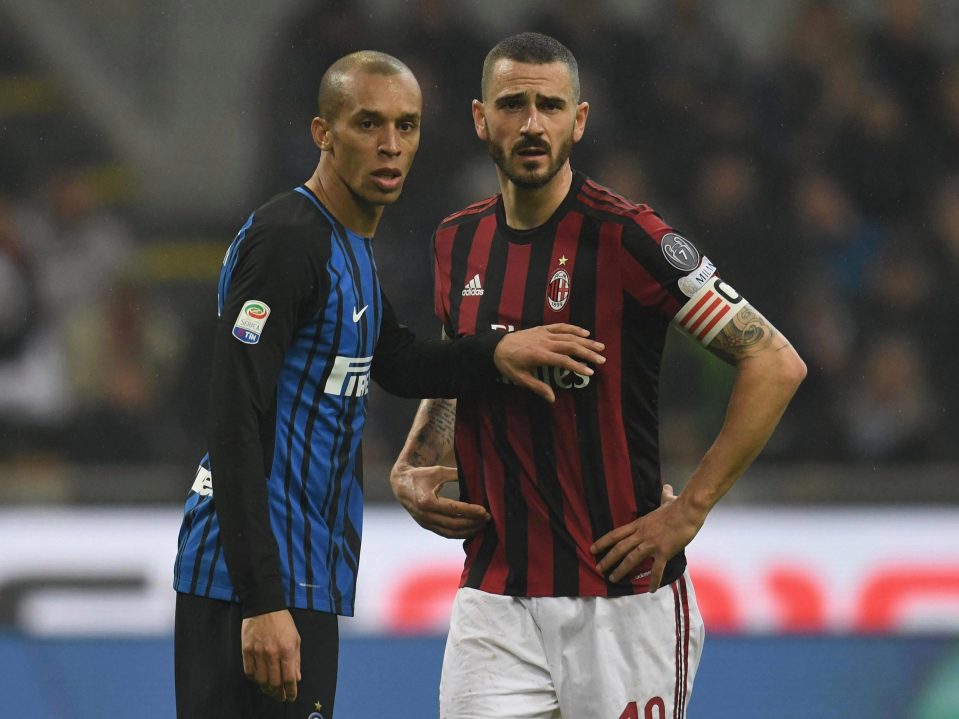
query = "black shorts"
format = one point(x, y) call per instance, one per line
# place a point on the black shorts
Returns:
point(210, 683)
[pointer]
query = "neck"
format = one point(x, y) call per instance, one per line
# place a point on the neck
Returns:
point(348, 209)
point(526, 207)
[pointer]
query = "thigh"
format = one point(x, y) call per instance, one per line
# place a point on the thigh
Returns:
point(208, 666)
point(494, 665)
point(210, 683)
point(626, 657)
point(319, 659)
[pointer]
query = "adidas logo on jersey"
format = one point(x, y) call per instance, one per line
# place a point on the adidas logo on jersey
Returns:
point(473, 287)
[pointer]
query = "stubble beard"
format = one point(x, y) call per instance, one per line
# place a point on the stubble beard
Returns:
point(530, 180)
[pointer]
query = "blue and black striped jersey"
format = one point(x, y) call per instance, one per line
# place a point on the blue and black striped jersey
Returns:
point(274, 516)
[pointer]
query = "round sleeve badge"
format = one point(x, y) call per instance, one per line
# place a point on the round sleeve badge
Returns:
point(679, 252)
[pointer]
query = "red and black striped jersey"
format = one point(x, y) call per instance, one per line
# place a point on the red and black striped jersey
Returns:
point(557, 477)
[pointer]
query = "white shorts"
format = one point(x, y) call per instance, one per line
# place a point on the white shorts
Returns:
point(628, 657)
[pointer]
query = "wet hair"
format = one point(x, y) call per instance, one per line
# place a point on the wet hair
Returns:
point(533, 48)
point(332, 95)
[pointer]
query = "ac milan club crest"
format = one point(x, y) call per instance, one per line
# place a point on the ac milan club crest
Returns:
point(557, 292)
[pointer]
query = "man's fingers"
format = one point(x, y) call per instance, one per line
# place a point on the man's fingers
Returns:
point(451, 527)
point(615, 555)
point(585, 350)
point(455, 508)
point(667, 494)
point(261, 670)
point(632, 560)
point(249, 664)
point(611, 538)
point(275, 680)
point(566, 362)
point(656, 574)
point(566, 328)
point(536, 386)
point(291, 673)
point(446, 474)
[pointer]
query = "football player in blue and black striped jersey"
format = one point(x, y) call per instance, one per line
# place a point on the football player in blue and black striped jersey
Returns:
point(270, 541)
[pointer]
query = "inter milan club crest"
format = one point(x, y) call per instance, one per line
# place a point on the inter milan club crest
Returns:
point(557, 291)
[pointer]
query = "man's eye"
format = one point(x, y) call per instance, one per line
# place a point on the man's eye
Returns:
point(366, 124)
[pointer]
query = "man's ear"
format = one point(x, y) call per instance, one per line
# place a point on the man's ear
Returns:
point(582, 112)
point(320, 130)
point(479, 120)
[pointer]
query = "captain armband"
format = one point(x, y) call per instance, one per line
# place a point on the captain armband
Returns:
point(709, 310)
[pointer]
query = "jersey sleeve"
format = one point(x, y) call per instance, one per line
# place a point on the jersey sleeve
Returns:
point(441, 282)
point(422, 368)
point(664, 270)
point(273, 288)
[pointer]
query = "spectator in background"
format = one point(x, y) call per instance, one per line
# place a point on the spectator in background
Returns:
point(834, 241)
point(673, 96)
point(944, 225)
point(33, 392)
point(121, 353)
point(75, 242)
point(903, 59)
point(18, 290)
point(827, 334)
point(947, 115)
point(67, 245)
point(878, 160)
point(728, 211)
point(890, 415)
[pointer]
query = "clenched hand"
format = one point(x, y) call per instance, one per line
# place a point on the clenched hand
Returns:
point(271, 654)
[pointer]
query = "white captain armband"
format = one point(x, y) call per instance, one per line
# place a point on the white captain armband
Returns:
point(709, 310)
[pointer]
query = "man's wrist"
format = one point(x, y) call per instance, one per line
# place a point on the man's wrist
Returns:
point(695, 505)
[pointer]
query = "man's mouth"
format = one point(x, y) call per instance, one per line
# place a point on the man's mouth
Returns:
point(532, 152)
point(387, 178)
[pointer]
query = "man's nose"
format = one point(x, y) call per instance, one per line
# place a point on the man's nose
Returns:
point(390, 143)
point(532, 125)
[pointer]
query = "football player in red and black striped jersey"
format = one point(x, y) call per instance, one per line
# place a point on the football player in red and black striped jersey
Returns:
point(570, 531)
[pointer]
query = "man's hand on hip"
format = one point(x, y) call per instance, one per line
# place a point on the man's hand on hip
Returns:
point(659, 535)
point(271, 654)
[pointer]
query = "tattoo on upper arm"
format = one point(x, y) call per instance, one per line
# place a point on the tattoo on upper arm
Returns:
point(747, 334)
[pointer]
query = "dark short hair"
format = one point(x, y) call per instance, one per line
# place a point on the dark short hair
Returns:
point(533, 48)
point(331, 97)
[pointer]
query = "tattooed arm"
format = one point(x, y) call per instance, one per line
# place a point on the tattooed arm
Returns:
point(768, 372)
point(416, 478)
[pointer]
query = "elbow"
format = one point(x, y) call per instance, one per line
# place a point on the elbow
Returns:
point(792, 368)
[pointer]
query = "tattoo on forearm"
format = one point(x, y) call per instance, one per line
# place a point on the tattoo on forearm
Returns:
point(745, 335)
point(435, 437)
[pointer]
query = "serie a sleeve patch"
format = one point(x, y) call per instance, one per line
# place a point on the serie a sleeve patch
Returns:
point(709, 310)
point(251, 321)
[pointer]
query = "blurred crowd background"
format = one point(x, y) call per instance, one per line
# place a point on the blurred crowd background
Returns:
point(809, 148)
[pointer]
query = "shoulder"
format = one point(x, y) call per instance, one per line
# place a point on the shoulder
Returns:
point(290, 225)
point(640, 222)
point(472, 213)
